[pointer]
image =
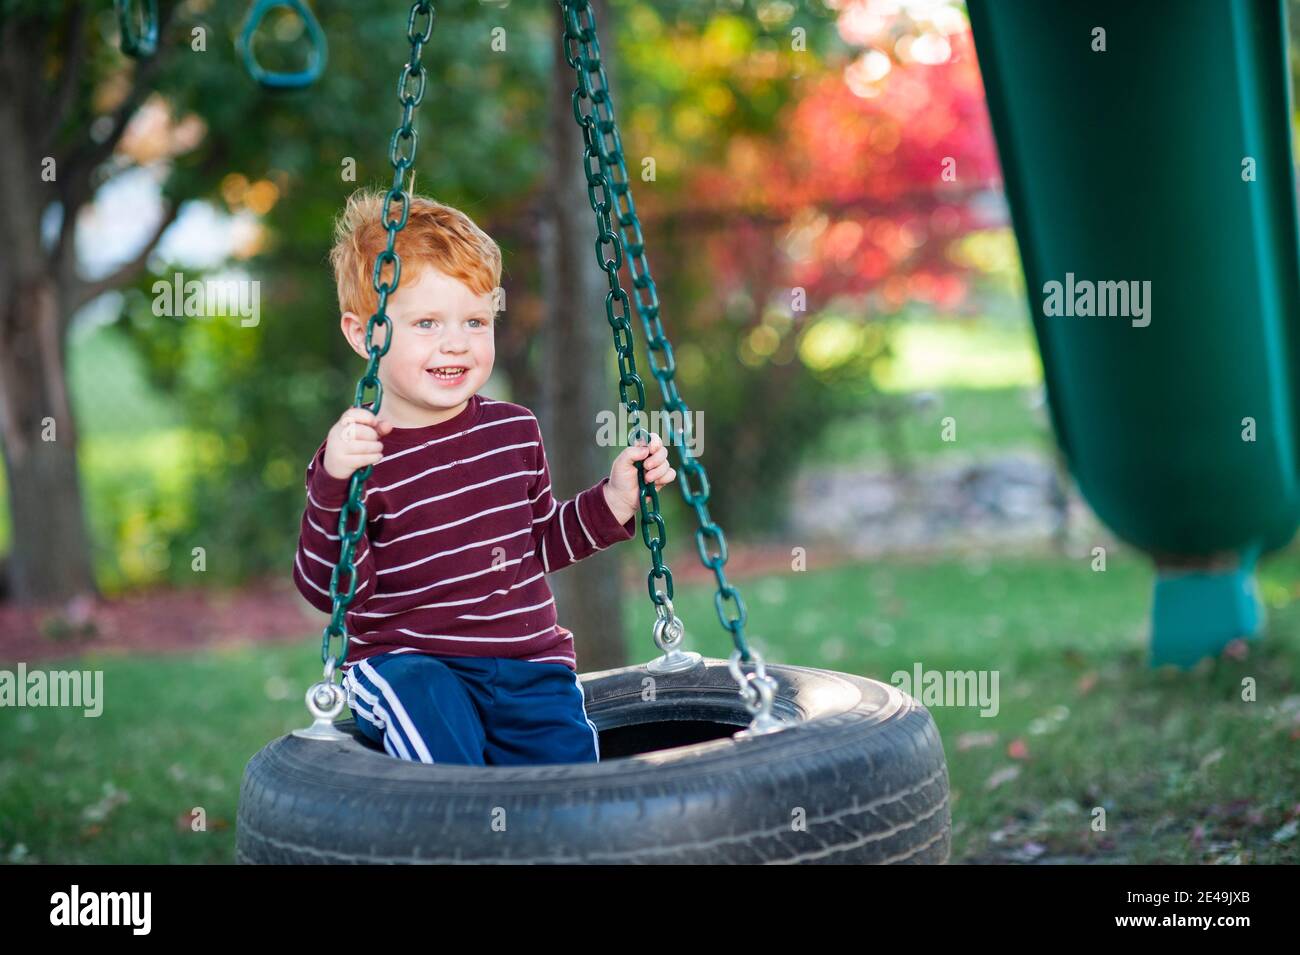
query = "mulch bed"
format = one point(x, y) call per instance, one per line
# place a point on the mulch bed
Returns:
point(170, 620)
point(156, 621)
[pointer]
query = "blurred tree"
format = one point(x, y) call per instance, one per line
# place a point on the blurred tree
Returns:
point(812, 172)
point(76, 114)
point(51, 156)
point(740, 106)
point(257, 397)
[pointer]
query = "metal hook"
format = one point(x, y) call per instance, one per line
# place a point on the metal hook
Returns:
point(669, 632)
point(758, 690)
point(325, 700)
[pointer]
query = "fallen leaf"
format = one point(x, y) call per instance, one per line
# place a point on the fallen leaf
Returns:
point(1236, 857)
point(1017, 749)
point(18, 853)
point(1010, 831)
point(1211, 758)
point(1028, 852)
point(1231, 809)
point(113, 797)
point(1287, 832)
point(976, 740)
point(1001, 776)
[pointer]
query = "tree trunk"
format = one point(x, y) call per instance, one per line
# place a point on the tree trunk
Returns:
point(51, 549)
point(577, 381)
point(40, 288)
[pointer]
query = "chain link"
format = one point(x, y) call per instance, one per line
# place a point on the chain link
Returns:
point(352, 519)
point(610, 193)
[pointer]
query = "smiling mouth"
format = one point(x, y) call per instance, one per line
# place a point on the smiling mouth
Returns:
point(450, 373)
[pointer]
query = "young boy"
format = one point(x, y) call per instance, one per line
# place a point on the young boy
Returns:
point(456, 655)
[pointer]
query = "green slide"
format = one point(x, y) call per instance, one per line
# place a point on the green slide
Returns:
point(1146, 148)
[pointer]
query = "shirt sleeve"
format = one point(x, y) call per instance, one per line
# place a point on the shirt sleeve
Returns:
point(564, 532)
point(319, 541)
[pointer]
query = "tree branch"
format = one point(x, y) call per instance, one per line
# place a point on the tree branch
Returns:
point(89, 154)
point(87, 292)
point(80, 291)
point(82, 161)
point(74, 55)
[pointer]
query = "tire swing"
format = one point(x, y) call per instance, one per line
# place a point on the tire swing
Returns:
point(802, 765)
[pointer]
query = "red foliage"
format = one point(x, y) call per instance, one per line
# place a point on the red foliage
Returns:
point(856, 184)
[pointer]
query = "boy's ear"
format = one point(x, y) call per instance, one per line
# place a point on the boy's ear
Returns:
point(354, 330)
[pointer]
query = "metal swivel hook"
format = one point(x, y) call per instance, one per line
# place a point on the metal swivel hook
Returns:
point(325, 700)
point(669, 632)
point(758, 690)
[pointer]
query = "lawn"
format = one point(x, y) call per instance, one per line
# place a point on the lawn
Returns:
point(986, 421)
point(1184, 769)
point(984, 374)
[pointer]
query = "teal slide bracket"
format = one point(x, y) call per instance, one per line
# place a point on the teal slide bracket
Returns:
point(1198, 613)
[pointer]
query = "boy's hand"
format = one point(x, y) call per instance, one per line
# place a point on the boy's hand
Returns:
point(354, 442)
point(622, 490)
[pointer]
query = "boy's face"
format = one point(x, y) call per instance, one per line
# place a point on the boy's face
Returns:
point(437, 323)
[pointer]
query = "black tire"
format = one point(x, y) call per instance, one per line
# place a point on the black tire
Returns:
point(861, 764)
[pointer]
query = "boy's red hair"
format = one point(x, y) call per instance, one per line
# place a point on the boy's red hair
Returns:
point(435, 234)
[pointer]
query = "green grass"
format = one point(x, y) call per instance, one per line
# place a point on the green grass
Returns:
point(110, 391)
point(981, 372)
point(132, 440)
point(174, 735)
point(1185, 770)
point(987, 351)
point(1162, 752)
point(137, 491)
point(986, 420)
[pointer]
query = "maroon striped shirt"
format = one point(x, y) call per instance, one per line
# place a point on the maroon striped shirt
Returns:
point(461, 529)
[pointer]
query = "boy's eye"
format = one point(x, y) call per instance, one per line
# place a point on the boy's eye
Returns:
point(428, 323)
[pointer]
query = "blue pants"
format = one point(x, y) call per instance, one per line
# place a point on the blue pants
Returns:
point(472, 710)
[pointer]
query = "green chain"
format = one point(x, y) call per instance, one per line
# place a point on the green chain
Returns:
point(138, 40)
point(401, 153)
point(582, 52)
